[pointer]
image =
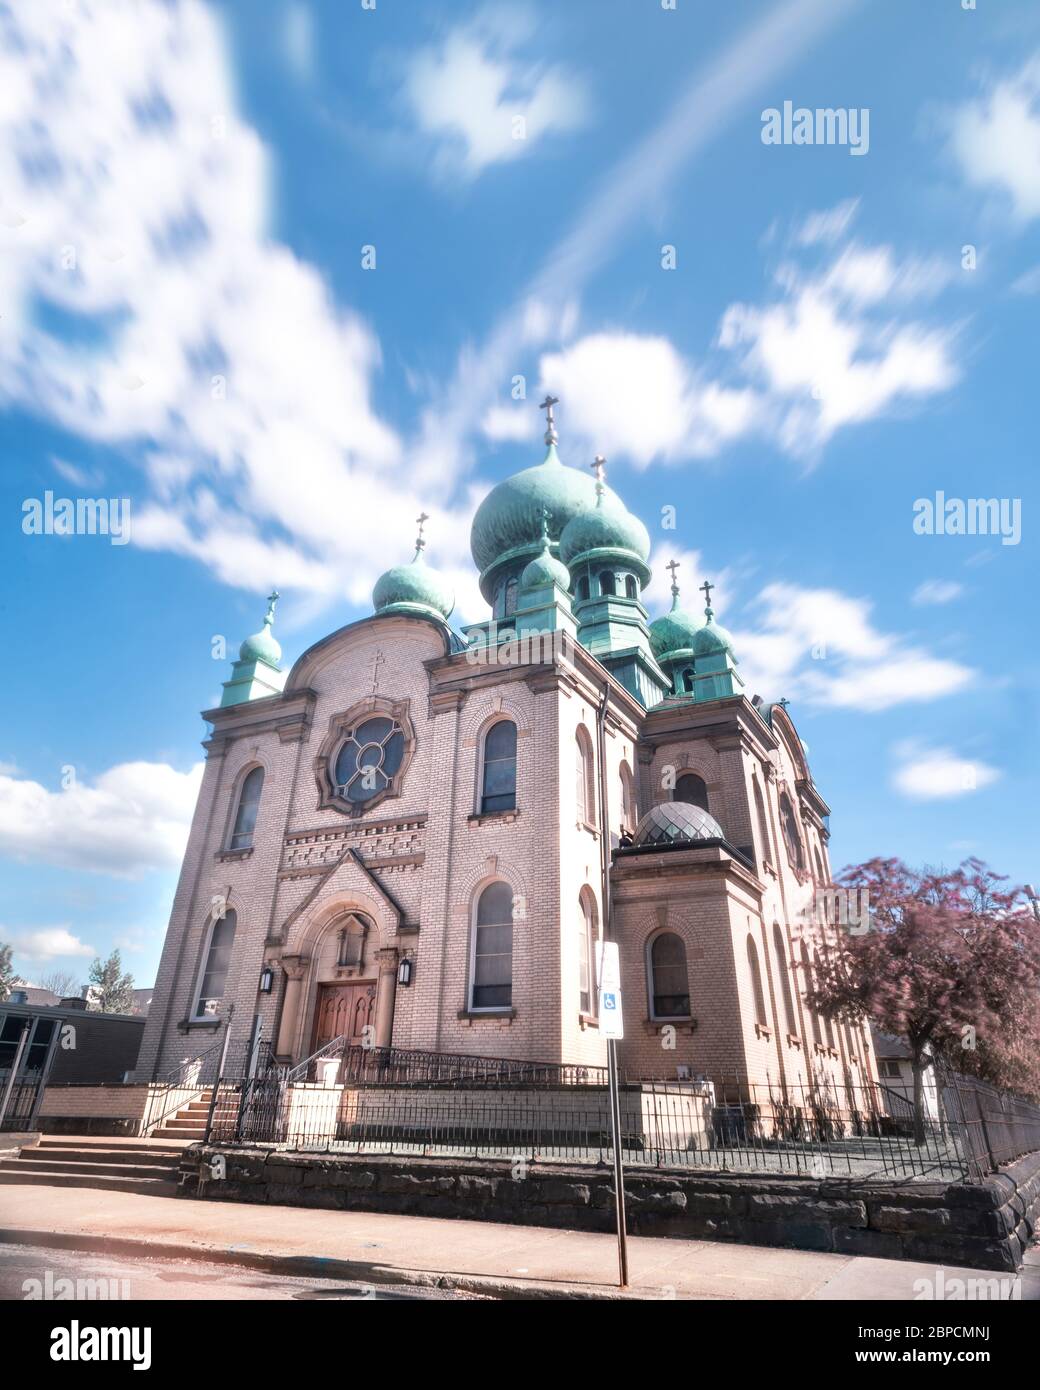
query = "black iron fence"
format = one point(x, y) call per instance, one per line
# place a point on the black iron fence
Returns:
point(405, 1102)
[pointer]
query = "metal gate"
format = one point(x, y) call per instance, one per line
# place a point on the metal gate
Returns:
point(27, 1046)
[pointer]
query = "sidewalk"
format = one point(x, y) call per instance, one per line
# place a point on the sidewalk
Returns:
point(477, 1256)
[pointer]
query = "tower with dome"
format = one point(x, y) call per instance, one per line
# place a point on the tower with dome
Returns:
point(416, 834)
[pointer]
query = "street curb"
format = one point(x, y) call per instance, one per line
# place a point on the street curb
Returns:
point(323, 1267)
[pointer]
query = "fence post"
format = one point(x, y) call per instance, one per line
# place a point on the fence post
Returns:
point(247, 1084)
point(220, 1076)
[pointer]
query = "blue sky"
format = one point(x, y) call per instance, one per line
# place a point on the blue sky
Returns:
point(186, 192)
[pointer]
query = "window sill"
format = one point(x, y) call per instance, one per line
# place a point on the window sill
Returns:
point(471, 1015)
point(794, 1041)
point(223, 856)
point(587, 1021)
point(764, 1032)
point(585, 825)
point(481, 817)
point(652, 1026)
point(188, 1025)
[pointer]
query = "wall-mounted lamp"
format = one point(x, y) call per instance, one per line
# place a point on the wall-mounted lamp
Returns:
point(404, 971)
point(266, 980)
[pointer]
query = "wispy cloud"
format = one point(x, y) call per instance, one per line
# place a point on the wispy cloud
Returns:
point(934, 774)
point(937, 591)
point(995, 140)
point(44, 944)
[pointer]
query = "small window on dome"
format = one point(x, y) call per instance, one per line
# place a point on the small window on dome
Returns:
point(630, 587)
point(687, 680)
point(692, 789)
point(607, 583)
point(583, 587)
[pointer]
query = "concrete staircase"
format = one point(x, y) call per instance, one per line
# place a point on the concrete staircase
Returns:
point(189, 1123)
point(148, 1166)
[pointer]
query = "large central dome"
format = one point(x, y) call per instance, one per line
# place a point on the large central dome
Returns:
point(510, 516)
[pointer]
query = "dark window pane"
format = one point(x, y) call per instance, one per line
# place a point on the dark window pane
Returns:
point(693, 789)
point(496, 904)
point(374, 730)
point(346, 763)
point(393, 752)
point(501, 740)
point(668, 967)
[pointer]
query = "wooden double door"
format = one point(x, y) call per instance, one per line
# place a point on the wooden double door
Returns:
point(345, 1010)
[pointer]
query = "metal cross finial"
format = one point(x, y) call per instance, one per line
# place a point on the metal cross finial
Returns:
point(706, 589)
point(784, 702)
point(422, 519)
point(598, 465)
point(673, 565)
point(545, 524)
point(551, 437)
point(272, 599)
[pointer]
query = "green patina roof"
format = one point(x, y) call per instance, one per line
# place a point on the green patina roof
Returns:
point(261, 646)
point(674, 632)
point(710, 638)
point(510, 516)
point(608, 526)
point(413, 588)
point(545, 569)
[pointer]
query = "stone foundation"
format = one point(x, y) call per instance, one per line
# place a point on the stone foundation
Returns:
point(982, 1225)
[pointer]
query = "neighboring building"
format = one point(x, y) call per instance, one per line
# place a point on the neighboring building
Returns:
point(896, 1075)
point(142, 1002)
point(32, 994)
point(454, 811)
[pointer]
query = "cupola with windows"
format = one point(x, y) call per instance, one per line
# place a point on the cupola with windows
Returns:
point(256, 673)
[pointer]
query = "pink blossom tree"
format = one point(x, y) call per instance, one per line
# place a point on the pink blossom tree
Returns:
point(951, 963)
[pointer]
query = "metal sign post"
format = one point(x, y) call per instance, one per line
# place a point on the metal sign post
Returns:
point(612, 1027)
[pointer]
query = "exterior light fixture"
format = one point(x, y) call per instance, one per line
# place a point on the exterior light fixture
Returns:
point(404, 971)
point(266, 980)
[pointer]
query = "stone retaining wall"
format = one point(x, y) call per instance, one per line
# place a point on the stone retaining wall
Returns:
point(984, 1225)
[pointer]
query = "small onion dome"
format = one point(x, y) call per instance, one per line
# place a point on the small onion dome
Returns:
point(413, 588)
point(676, 823)
point(674, 632)
point(710, 640)
point(607, 527)
point(261, 646)
point(545, 569)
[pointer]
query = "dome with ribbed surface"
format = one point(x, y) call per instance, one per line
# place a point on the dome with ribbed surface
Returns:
point(510, 516)
point(710, 639)
point(413, 588)
point(262, 646)
point(545, 569)
point(609, 526)
point(674, 632)
point(676, 823)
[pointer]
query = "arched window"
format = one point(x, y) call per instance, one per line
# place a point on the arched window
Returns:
point(510, 601)
point(792, 839)
point(669, 983)
point(784, 970)
point(756, 983)
point(814, 1017)
point(583, 587)
point(215, 970)
point(584, 784)
point(693, 789)
point(586, 951)
point(607, 583)
point(763, 824)
point(498, 775)
point(687, 680)
point(630, 587)
point(248, 805)
point(492, 983)
point(629, 805)
point(819, 865)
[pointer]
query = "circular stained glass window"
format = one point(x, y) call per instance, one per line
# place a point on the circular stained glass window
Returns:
point(368, 758)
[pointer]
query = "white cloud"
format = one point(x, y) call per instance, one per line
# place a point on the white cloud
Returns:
point(46, 944)
point(482, 103)
point(635, 395)
point(827, 226)
point(821, 645)
point(509, 422)
point(936, 591)
point(134, 818)
point(996, 140)
point(136, 198)
point(298, 39)
point(938, 774)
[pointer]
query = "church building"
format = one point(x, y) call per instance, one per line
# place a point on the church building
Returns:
point(416, 835)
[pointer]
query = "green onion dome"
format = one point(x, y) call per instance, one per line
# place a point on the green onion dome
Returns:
point(261, 646)
point(674, 633)
point(413, 588)
point(545, 569)
point(608, 530)
point(711, 640)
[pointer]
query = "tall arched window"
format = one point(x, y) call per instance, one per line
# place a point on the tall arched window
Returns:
point(693, 789)
point(784, 970)
point(629, 805)
point(630, 587)
point(819, 865)
point(582, 590)
point(607, 583)
point(763, 824)
point(687, 680)
point(814, 1017)
point(248, 805)
point(492, 982)
point(498, 774)
point(669, 983)
point(756, 983)
point(584, 782)
point(792, 839)
point(586, 952)
point(213, 980)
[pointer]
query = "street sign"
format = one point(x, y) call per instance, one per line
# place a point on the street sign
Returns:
point(611, 1023)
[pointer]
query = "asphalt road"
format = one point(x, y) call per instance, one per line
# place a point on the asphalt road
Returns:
point(28, 1271)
